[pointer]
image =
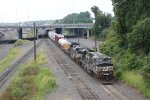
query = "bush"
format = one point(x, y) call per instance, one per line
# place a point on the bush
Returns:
point(112, 44)
point(139, 39)
point(6, 62)
point(136, 80)
point(146, 72)
point(129, 60)
point(110, 47)
point(146, 69)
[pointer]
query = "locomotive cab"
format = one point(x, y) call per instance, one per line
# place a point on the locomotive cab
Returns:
point(101, 65)
point(75, 52)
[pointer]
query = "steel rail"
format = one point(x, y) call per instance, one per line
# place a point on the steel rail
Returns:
point(85, 92)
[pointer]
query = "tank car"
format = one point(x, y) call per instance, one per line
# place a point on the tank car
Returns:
point(64, 44)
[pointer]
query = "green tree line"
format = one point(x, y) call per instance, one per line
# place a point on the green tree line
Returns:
point(82, 17)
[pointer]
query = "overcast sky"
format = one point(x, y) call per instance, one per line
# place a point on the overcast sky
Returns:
point(27, 10)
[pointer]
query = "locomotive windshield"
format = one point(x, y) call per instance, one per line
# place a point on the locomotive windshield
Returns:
point(103, 61)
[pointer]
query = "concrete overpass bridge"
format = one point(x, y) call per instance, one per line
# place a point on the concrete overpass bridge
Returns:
point(57, 27)
point(80, 25)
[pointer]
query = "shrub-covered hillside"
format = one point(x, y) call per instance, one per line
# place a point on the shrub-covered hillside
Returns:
point(128, 43)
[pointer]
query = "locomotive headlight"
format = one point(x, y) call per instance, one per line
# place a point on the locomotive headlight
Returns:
point(111, 68)
point(105, 69)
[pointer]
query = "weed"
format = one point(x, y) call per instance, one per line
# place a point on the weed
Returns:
point(4, 63)
point(136, 80)
point(32, 82)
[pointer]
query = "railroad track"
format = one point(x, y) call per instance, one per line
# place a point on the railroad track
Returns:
point(4, 76)
point(85, 92)
point(111, 90)
point(81, 87)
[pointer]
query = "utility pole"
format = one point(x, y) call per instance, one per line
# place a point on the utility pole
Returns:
point(34, 31)
point(78, 32)
point(28, 14)
point(95, 41)
point(17, 15)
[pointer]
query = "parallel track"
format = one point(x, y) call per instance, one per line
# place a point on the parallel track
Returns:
point(10, 71)
point(111, 90)
point(85, 92)
point(3, 45)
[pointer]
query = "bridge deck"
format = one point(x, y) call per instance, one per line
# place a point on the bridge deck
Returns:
point(80, 25)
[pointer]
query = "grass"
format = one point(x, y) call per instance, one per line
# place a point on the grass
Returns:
point(135, 80)
point(29, 35)
point(32, 83)
point(92, 37)
point(13, 53)
point(20, 42)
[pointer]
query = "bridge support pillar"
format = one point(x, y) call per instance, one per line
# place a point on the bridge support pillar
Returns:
point(59, 30)
point(19, 33)
point(88, 33)
point(62, 31)
point(80, 32)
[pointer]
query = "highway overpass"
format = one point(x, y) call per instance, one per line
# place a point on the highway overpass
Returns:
point(80, 25)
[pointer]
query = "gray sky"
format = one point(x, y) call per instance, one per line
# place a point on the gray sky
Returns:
point(27, 10)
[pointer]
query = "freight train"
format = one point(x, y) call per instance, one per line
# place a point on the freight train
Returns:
point(95, 63)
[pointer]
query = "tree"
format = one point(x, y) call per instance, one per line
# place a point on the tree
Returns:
point(102, 20)
point(95, 10)
point(82, 17)
point(128, 13)
point(139, 39)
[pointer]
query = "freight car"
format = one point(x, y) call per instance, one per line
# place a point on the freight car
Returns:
point(51, 35)
point(59, 40)
point(64, 44)
point(95, 63)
